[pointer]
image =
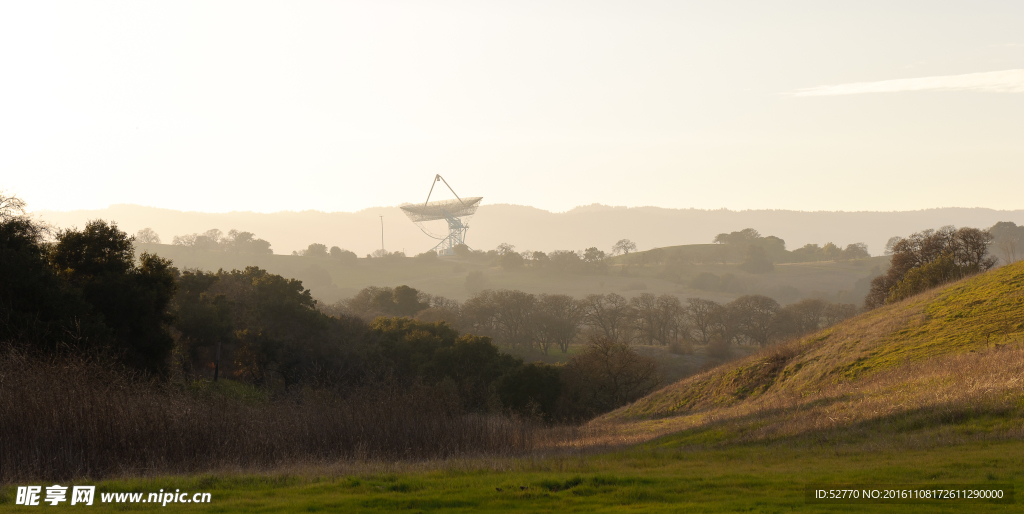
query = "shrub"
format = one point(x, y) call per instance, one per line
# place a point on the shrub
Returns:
point(605, 376)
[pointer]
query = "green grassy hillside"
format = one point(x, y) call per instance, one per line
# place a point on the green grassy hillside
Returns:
point(947, 364)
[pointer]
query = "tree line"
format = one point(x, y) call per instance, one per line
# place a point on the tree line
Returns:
point(747, 248)
point(928, 259)
point(752, 252)
point(214, 240)
point(524, 321)
point(84, 294)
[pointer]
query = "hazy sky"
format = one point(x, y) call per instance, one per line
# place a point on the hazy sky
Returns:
point(339, 106)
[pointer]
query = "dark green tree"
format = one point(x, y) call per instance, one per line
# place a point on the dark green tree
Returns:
point(38, 310)
point(132, 300)
point(204, 320)
point(531, 389)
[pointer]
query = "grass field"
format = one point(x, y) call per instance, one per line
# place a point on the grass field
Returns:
point(665, 475)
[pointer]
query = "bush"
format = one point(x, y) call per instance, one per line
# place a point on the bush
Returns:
point(607, 375)
point(918, 280)
point(532, 389)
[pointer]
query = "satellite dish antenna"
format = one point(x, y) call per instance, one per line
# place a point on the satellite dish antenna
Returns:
point(432, 217)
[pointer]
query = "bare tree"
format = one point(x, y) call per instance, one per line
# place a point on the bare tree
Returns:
point(759, 318)
point(645, 317)
point(727, 324)
point(658, 319)
point(609, 315)
point(701, 314)
point(513, 317)
point(670, 322)
point(10, 207)
point(558, 319)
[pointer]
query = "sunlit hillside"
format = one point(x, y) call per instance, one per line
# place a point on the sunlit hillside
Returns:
point(940, 368)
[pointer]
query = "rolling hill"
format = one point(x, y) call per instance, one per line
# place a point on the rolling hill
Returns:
point(330, 279)
point(940, 368)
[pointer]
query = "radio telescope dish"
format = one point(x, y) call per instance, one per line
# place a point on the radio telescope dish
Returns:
point(446, 220)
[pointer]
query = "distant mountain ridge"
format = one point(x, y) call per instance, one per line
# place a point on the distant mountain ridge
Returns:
point(530, 228)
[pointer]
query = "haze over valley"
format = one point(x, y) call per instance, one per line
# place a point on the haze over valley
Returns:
point(530, 228)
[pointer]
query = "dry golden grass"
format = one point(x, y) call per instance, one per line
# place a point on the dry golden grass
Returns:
point(65, 419)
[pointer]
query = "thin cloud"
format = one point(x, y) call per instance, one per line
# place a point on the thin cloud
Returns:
point(1006, 81)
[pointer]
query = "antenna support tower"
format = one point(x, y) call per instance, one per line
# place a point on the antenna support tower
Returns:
point(456, 213)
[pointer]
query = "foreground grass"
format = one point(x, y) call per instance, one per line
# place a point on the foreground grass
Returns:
point(665, 475)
